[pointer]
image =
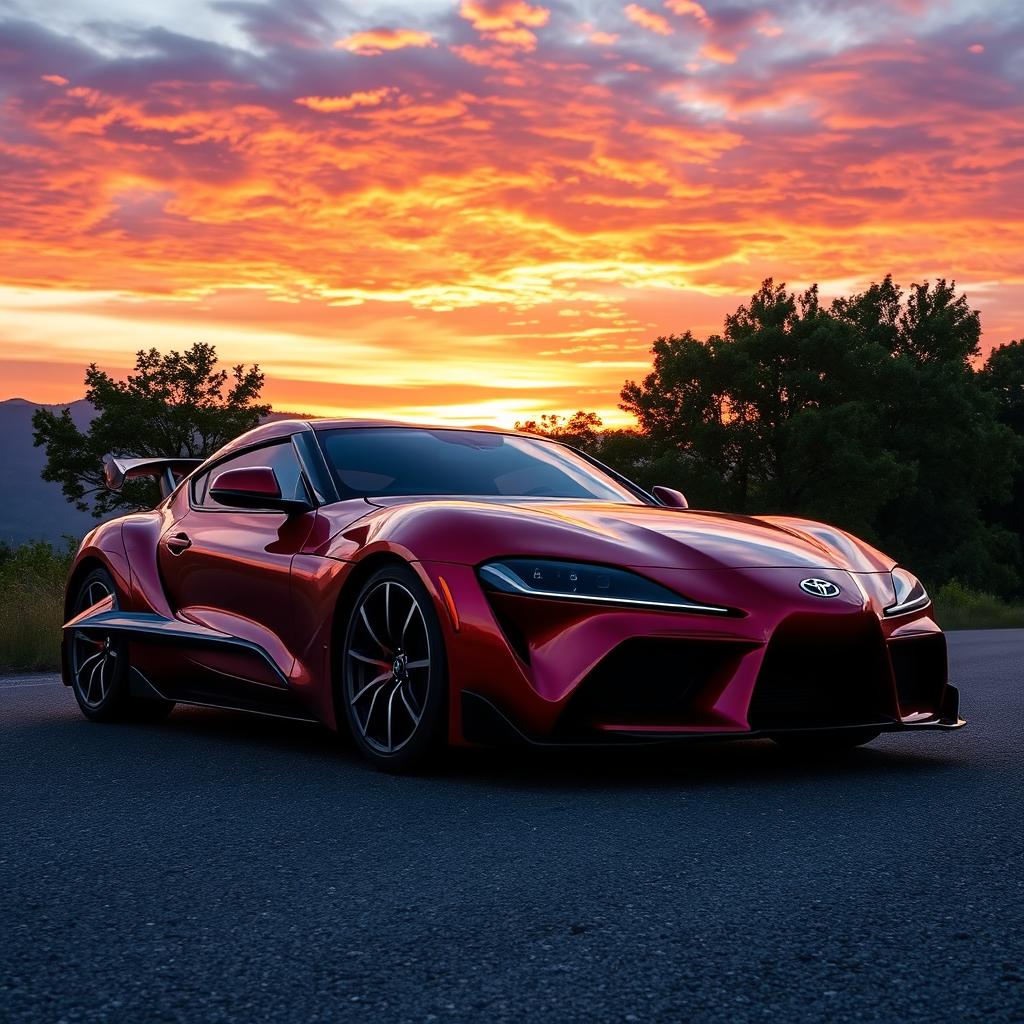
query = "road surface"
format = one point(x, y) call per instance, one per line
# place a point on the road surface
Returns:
point(226, 868)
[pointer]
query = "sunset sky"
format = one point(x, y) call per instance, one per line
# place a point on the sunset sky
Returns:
point(484, 210)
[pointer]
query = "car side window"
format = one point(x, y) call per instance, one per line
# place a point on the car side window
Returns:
point(281, 458)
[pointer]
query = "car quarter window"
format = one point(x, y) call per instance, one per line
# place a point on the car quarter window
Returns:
point(281, 458)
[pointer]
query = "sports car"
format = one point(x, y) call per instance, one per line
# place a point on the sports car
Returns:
point(417, 587)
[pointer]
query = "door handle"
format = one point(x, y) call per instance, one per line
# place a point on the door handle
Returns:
point(177, 543)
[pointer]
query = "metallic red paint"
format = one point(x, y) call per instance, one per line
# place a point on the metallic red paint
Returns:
point(281, 584)
point(254, 480)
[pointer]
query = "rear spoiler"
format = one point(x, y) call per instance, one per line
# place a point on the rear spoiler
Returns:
point(168, 471)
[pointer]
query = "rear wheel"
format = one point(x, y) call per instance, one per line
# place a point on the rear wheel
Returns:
point(826, 742)
point(394, 679)
point(99, 664)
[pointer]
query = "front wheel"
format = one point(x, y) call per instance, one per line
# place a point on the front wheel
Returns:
point(99, 664)
point(825, 742)
point(394, 678)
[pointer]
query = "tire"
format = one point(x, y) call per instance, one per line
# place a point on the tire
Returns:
point(99, 665)
point(393, 681)
point(826, 742)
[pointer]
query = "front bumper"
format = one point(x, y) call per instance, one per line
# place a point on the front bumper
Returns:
point(556, 672)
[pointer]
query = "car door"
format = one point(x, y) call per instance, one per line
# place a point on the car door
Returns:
point(228, 569)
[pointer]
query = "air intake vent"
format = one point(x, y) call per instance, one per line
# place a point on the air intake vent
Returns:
point(823, 674)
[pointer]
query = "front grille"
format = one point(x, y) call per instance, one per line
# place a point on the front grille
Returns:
point(650, 682)
point(822, 674)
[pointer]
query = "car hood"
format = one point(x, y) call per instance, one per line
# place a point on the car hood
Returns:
point(637, 535)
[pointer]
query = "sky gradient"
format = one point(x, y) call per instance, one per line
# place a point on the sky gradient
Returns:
point(479, 211)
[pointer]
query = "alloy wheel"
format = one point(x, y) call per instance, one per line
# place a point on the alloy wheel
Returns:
point(94, 660)
point(387, 666)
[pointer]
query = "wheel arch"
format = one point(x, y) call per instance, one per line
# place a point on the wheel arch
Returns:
point(89, 563)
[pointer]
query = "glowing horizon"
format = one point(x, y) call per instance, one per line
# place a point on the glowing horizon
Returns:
point(484, 210)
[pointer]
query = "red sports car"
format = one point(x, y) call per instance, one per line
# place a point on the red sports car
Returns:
point(419, 586)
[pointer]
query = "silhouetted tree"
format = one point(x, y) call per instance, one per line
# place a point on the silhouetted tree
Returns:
point(581, 429)
point(177, 404)
point(867, 414)
point(1003, 378)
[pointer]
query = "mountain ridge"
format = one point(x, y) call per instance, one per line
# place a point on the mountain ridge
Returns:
point(32, 508)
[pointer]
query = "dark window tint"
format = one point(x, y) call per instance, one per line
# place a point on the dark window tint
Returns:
point(281, 458)
point(391, 461)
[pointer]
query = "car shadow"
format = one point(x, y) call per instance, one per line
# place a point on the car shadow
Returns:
point(688, 764)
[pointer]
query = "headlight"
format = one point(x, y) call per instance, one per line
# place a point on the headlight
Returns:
point(910, 594)
point(574, 581)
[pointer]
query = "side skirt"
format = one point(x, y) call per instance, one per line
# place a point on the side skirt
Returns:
point(143, 687)
point(188, 680)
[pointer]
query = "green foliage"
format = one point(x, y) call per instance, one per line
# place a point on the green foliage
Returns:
point(177, 404)
point(31, 604)
point(959, 607)
point(1003, 378)
point(867, 414)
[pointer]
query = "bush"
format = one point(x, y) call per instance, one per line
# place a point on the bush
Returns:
point(32, 605)
point(959, 607)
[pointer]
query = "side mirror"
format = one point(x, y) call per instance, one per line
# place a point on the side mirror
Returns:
point(670, 497)
point(254, 487)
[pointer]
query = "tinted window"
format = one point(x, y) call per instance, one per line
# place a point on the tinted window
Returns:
point(391, 461)
point(281, 458)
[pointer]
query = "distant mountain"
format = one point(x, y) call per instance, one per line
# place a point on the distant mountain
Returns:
point(30, 507)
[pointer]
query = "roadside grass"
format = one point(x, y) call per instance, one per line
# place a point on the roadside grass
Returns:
point(31, 605)
point(959, 607)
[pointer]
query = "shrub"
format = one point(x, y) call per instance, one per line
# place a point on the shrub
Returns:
point(31, 605)
point(959, 607)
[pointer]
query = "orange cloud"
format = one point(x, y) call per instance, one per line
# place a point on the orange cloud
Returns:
point(719, 54)
point(333, 104)
point(375, 41)
point(603, 38)
point(505, 21)
point(648, 19)
point(54, 79)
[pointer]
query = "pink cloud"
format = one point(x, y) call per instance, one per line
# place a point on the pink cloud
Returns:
point(690, 7)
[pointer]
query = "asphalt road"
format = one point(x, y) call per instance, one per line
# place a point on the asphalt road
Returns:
point(220, 867)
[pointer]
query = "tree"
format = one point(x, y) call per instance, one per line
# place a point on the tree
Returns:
point(178, 404)
point(867, 414)
point(1003, 378)
point(581, 429)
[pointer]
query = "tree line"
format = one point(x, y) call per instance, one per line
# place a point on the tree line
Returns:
point(874, 412)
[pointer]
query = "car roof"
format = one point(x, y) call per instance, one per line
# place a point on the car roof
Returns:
point(275, 429)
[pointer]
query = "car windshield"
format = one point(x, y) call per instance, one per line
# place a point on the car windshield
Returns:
point(403, 461)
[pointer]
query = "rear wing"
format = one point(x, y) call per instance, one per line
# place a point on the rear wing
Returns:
point(168, 471)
